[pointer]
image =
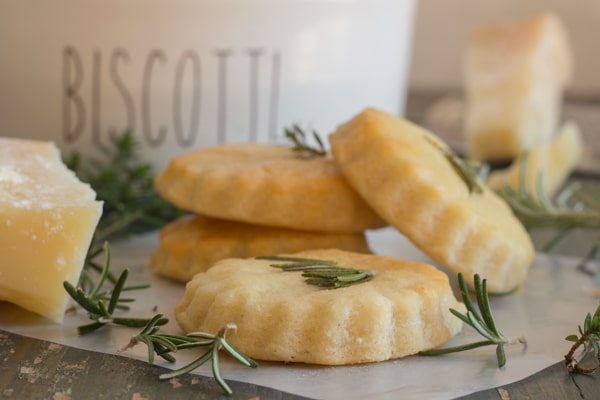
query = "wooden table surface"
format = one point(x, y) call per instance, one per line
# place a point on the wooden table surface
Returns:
point(35, 369)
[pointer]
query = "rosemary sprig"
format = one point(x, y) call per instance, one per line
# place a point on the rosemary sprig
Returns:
point(323, 273)
point(482, 321)
point(573, 208)
point(468, 171)
point(131, 205)
point(589, 338)
point(163, 344)
point(301, 146)
point(125, 184)
point(101, 304)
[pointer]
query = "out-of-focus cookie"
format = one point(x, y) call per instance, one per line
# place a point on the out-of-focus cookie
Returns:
point(404, 309)
point(547, 166)
point(266, 185)
point(193, 243)
point(406, 174)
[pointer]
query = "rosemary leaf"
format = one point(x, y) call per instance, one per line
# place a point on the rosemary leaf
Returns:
point(216, 343)
point(322, 273)
point(130, 322)
point(298, 260)
point(468, 171)
point(89, 328)
point(589, 339)
point(101, 304)
point(573, 208)
point(188, 368)
point(116, 292)
point(301, 146)
point(164, 344)
point(483, 323)
point(216, 370)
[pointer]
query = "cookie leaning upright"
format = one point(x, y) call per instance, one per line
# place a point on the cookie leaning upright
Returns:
point(403, 171)
point(266, 185)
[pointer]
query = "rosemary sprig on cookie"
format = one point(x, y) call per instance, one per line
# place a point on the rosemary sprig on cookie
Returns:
point(589, 338)
point(468, 171)
point(482, 321)
point(163, 345)
point(301, 145)
point(323, 273)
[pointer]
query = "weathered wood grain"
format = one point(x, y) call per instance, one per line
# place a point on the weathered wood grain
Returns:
point(553, 383)
point(34, 369)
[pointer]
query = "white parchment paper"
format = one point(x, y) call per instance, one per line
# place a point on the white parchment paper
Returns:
point(552, 303)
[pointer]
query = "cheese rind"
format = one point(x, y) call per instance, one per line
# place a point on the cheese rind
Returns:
point(515, 74)
point(47, 220)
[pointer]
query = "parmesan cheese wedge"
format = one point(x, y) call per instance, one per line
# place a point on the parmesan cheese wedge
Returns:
point(552, 163)
point(514, 80)
point(47, 219)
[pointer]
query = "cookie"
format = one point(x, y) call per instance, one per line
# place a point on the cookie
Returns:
point(193, 243)
point(547, 166)
point(266, 185)
point(404, 309)
point(405, 173)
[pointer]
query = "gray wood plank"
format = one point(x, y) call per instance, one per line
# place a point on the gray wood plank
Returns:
point(34, 369)
point(553, 383)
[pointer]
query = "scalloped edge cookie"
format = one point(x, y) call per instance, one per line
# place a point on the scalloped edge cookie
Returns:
point(404, 309)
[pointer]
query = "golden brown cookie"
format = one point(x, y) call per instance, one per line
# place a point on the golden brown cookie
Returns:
point(266, 185)
point(194, 243)
point(404, 172)
point(404, 309)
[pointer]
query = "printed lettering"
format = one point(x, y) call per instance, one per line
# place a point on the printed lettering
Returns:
point(194, 111)
point(106, 93)
point(274, 98)
point(96, 86)
point(121, 54)
point(72, 103)
point(222, 55)
point(254, 55)
point(154, 141)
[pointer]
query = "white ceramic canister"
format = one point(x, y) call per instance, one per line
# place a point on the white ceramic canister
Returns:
point(185, 74)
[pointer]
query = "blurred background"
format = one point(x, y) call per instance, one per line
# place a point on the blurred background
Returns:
point(441, 29)
point(435, 80)
point(186, 74)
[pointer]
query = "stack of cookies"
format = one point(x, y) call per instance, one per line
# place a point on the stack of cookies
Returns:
point(250, 200)
point(257, 199)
